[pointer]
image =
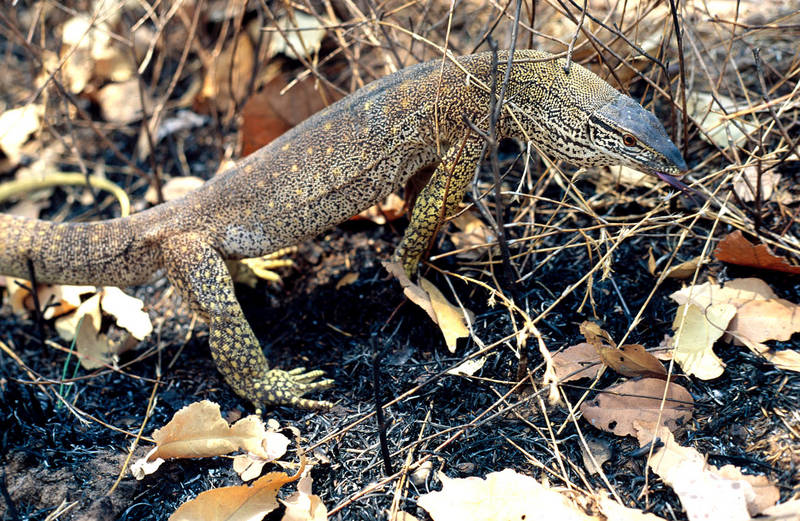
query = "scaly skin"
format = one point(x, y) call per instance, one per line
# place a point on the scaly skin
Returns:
point(330, 167)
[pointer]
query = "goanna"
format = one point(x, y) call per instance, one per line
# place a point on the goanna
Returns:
point(333, 165)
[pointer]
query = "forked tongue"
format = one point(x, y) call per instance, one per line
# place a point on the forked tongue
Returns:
point(673, 182)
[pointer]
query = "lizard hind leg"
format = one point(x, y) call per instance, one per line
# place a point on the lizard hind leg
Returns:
point(199, 273)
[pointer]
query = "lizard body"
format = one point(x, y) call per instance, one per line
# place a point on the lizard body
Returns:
point(331, 166)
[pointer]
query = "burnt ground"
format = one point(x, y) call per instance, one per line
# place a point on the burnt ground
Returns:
point(51, 454)
point(53, 457)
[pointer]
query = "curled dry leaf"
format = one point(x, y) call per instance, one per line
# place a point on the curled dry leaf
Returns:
point(16, 126)
point(128, 312)
point(685, 269)
point(449, 318)
point(628, 360)
point(576, 362)
point(760, 315)
point(199, 431)
point(303, 505)
point(501, 496)
point(736, 249)
point(706, 492)
point(239, 503)
point(617, 408)
point(696, 331)
point(94, 349)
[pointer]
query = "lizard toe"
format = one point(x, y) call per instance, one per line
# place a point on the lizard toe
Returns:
point(279, 387)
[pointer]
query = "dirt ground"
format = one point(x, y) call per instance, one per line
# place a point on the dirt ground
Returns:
point(60, 463)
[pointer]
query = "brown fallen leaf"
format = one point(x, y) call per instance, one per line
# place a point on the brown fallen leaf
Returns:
point(199, 431)
point(390, 209)
point(705, 491)
point(760, 315)
point(628, 360)
point(685, 269)
point(303, 505)
point(348, 279)
point(449, 318)
point(501, 496)
point(616, 408)
point(238, 503)
point(472, 236)
point(227, 76)
point(736, 249)
point(576, 362)
point(696, 331)
point(270, 112)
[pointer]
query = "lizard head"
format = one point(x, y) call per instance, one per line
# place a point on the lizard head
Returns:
point(624, 132)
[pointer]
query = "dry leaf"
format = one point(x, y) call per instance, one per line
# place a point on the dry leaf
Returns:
point(228, 76)
point(576, 362)
point(628, 360)
point(199, 431)
point(708, 115)
point(16, 126)
point(617, 408)
point(632, 360)
point(94, 348)
point(239, 503)
point(128, 312)
point(450, 318)
point(736, 249)
point(760, 315)
point(789, 511)
point(684, 270)
point(390, 209)
point(303, 505)
point(175, 188)
point(468, 367)
point(696, 331)
point(305, 42)
point(122, 102)
point(271, 111)
point(348, 279)
point(616, 512)
point(472, 236)
point(745, 183)
point(708, 493)
point(501, 496)
point(249, 465)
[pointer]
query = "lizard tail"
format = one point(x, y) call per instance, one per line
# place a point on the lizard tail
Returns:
point(101, 253)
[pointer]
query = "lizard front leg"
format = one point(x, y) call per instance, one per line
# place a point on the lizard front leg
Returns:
point(438, 200)
point(199, 273)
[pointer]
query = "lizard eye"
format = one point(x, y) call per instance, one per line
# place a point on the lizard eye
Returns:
point(628, 140)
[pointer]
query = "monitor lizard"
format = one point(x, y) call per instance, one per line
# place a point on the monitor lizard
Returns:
point(328, 168)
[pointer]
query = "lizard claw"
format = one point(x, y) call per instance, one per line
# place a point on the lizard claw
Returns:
point(280, 387)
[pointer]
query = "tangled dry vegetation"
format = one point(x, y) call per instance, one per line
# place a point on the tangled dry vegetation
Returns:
point(149, 94)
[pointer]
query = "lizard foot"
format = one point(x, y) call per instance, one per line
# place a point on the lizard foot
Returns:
point(280, 387)
point(263, 267)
